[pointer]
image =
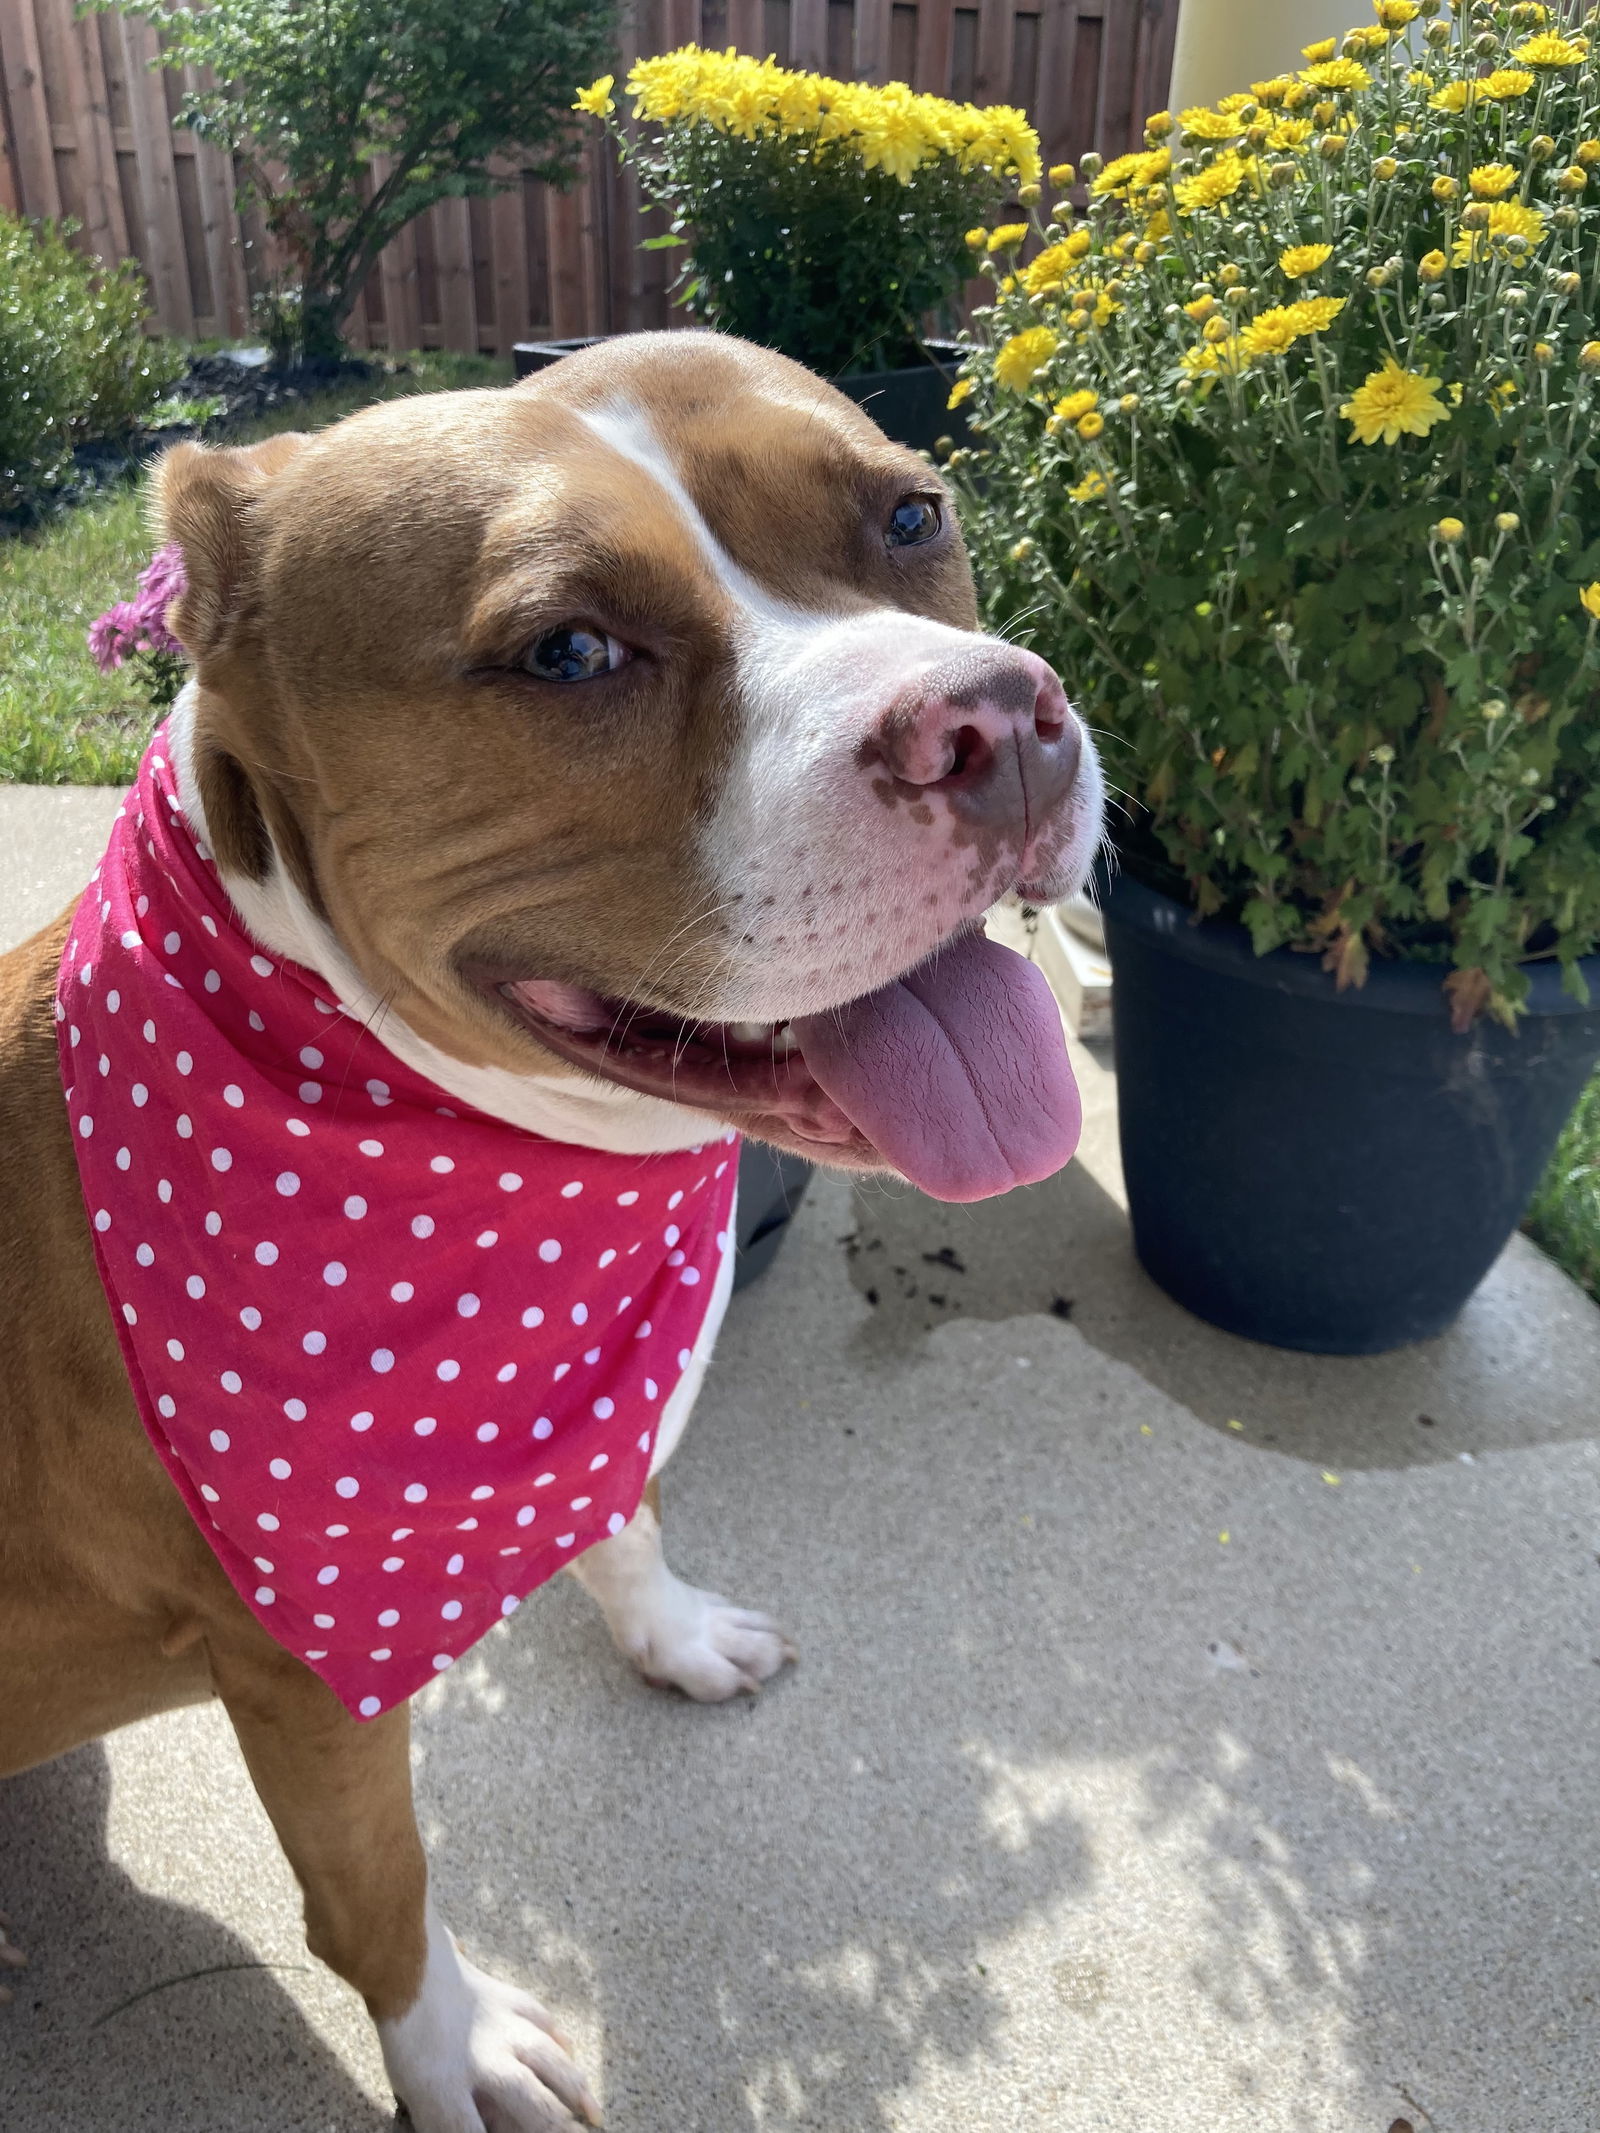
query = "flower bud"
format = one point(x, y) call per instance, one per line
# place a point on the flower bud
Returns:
point(1238, 298)
point(1214, 330)
point(943, 447)
point(1573, 179)
point(1589, 356)
point(1506, 521)
point(1383, 754)
point(1091, 165)
point(1486, 45)
point(1331, 147)
point(1230, 276)
point(1281, 175)
point(1378, 277)
point(1514, 297)
point(1129, 403)
point(1090, 426)
point(1565, 217)
point(1385, 167)
point(1144, 252)
point(1449, 530)
point(1258, 135)
point(1445, 188)
point(1021, 550)
point(1475, 215)
point(1544, 355)
point(1493, 709)
point(1437, 34)
point(1541, 148)
point(1158, 125)
point(1567, 284)
point(1324, 113)
point(1078, 321)
point(1029, 195)
point(1431, 266)
point(1586, 153)
point(1054, 426)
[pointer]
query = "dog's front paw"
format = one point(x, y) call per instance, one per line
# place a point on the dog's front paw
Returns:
point(701, 1643)
point(473, 2054)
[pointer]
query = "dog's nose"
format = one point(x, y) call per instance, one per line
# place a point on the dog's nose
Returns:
point(991, 730)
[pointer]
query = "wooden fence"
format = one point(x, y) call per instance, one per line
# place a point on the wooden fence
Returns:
point(85, 131)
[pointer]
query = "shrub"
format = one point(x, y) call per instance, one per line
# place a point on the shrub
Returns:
point(822, 218)
point(75, 363)
point(1291, 464)
point(306, 97)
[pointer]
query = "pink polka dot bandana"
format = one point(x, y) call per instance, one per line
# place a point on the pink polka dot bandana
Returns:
point(403, 1361)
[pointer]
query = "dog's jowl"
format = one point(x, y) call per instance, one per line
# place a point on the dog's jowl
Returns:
point(572, 779)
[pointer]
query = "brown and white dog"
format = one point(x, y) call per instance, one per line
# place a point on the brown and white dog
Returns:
point(654, 684)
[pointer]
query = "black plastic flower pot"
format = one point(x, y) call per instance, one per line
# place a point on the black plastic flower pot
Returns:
point(1334, 1172)
point(909, 404)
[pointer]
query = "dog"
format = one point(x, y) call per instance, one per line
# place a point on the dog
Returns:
point(616, 763)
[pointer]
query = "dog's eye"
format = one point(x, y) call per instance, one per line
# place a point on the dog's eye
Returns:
point(913, 520)
point(574, 653)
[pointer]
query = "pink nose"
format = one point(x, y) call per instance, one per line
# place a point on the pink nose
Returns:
point(990, 730)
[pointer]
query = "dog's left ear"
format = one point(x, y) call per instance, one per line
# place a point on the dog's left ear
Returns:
point(208, 500)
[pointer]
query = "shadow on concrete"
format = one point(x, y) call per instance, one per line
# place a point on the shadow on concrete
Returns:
point(135, 2011)
point(1510, 1373)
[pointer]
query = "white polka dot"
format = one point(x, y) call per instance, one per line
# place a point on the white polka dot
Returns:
point(543, 1481)
point(505, 1373)
point(388, 1618)
point(402, 1292)
point(164, 1190)
point(266, 1255)
point(487, 1238)
point(627, 1199)
point(184, 1063)
point(449, 1370)
point(299, 1128)
point(323, 1621)
point(527, 1515)
point(221, 1159)
point(195, 1287)
point(140, 1095)
point(310, 1056)
point(606, 1257)
point(256, 1022)
point(167, 1405)
point(559, 1372)
point(310, 1092)
point(132, 1317)
point(580, 1314)
point(370, 1147)
point(481, 1494)
point(261, 967)
point(279, 1469)
point(604, 1409)
point(335, 1274)
point(683, 1358)
point(355, 1207)
point(643, 1333)
point(673, 1234)
point(85, 1127)
point(362, 1421)
point(550, 1251)
point(422, 1225)
point(314, 1343)
point(442, 1660)
point(266, 1522)
point(415, 1492)
point(510, 1604)
point(296, 1410)
point(102, 1221)
point(565, 1540)
point(532, 1317)
point(394, 1562)
point(369, 1706)
point(425, 1425)
point(250, 1318)
point(262, 1564)
point(145, 1255)
point(487, 1432)
point(335, 1533)
point(378, 1091)
point(231, 1381)
point(650, 1388)
point(673, 1202)
point(172, 943)
point(455, 1566)
point(510, 1182)
point(213, 1224)
point(676, 1258)
point(233, 1095)
point(328, 1574)
point(265, 1595)
point(543, 1427)
point(382, 1359)
point(689, 1276)
point(599, 1460)
point(441, 1163)
point(615, 1523)
point(451, 1610)
point(131, 939)
point(174, 1348)
point(467, 1306)
point(287, 1183)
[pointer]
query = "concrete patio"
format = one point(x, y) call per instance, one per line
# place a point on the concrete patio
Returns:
point(1188, 1737)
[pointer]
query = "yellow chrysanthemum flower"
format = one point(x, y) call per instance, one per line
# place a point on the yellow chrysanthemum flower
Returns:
point(1455, 96)
point(1061, 174)
point(1298, 260)
point(1587, 153)
point(1076, 405)
point(1090, 426)
point(961, 390)
point(1590, 600)
point(597, 99)
point(1491, 181)
point(1431, 266)
point(1290, 133)
point(1450, 530)
point(1040, 274)
point(1208, 125)
point(1337, 74)
point(1022, 358)
point(1506, 82)
point(1209, 187)
point(1507, 218)
point(1324, 48)
point(1396, 14)
point(977, 238)
point(1090, 489)
point(1550, 51)
point(1315, 314)
point(1270, 333)
point(1271, 93)
point(1007, 237)
point(1391, 403)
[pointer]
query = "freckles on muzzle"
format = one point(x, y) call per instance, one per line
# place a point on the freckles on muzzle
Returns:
point(987, 745)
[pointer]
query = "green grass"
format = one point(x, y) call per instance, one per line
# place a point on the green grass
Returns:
point(61, 721)
point(1565, 1214)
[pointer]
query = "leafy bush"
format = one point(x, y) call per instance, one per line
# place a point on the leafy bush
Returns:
point(306, 97)
point(1292, 464)
point(75, 363)
point(822, 218)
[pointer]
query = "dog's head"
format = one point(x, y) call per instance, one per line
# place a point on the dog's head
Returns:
point(638, 719)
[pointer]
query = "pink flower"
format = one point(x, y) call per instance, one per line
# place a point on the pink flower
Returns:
point(114, 636)
point(140, 624)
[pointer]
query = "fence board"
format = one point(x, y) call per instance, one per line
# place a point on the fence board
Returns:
point(84, 125)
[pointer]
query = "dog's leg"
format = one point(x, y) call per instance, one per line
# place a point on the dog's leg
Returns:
point(465, 2052)
point(676, 1635)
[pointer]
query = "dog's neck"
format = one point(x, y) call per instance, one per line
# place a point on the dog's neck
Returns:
point(561, 1107)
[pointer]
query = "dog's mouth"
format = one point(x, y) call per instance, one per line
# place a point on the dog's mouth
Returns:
point(955, 1074)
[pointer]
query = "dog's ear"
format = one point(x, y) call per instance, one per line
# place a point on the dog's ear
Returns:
point(208, 500)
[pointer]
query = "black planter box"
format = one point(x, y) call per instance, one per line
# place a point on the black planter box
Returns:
point(908, 405)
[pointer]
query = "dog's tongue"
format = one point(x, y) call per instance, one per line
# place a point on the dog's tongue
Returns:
point(957, 1072)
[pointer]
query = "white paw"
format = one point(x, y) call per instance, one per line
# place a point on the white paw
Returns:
point(701, 1643)
point(475, 2055)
